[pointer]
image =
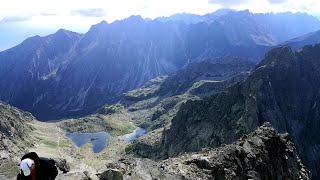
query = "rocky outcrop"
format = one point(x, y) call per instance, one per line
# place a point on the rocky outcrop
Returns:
point(282, 89)
point(13, 129)
point(109, 174)
point(14, 133)
point(262, 154)
point(63, 165)
point(13, 121)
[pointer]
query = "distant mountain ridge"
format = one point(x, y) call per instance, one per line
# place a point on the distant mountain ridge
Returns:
point(68, 74)
point(279, 26)
point(307, 39)
point(195, 18)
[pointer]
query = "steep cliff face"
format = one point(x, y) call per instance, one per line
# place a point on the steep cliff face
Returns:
point(262, 154)
point(282, 89)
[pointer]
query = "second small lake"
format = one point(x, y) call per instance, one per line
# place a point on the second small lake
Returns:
point(134, 135)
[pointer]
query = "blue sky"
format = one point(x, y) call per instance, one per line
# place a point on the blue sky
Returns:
point(20, 19)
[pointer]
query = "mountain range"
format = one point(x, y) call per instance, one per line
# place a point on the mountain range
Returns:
point(69, 74)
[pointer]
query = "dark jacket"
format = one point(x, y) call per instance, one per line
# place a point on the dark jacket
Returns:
point(45, 168)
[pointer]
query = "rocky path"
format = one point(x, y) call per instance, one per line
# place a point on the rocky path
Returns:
point(58, 140)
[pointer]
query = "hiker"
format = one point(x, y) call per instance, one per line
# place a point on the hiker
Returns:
point(33, 167)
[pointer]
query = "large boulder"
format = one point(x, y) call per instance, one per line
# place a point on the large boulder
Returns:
point(111, 174)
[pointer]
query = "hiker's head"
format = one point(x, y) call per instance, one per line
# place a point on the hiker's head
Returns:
point(26, 166)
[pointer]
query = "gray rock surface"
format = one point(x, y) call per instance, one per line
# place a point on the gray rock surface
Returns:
point(72, 176)
point(111, 174)
point(14, 140)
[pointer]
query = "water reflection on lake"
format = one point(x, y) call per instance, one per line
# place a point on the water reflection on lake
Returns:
point(98, 140)
point(134, 135)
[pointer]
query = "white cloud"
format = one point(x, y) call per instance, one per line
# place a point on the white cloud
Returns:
point(12, 19)
point(263, 6)
point(89, 12)
point(229, 3)
point(277, 1)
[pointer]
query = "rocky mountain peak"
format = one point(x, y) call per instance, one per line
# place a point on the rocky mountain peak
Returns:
point(222, 11)
point(62, 31)
point(281, 56)
point(134, 19)
point(103, 23)
point(98, 27)
point(67, 33)
point(62, 39)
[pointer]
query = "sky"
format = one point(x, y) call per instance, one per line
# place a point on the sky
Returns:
point(20, 19)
